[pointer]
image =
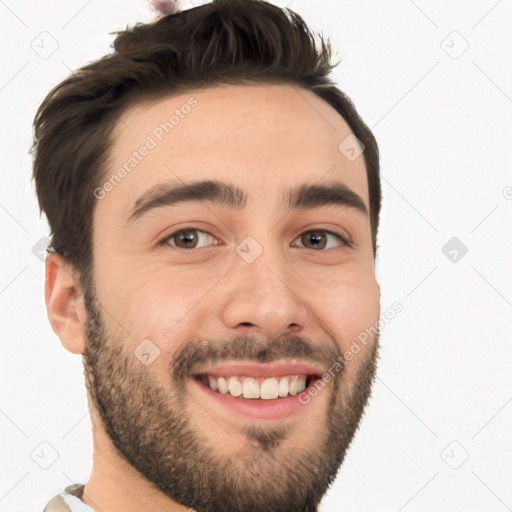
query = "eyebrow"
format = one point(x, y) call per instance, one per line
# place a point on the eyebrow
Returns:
point(225, 194)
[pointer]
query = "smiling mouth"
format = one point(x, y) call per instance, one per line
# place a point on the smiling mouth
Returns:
point(262, 388)
point(258, 391)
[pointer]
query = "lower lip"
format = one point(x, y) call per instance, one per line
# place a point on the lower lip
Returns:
point(277, 409)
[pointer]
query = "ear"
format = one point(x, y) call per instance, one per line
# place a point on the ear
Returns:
point(64, 303)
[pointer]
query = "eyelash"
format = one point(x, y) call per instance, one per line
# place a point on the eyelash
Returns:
point(165, 241)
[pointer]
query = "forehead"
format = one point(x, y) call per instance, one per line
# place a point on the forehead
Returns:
point(262, 138)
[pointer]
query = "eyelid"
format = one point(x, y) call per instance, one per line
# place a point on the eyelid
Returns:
point(343, 238)
point(164, 241)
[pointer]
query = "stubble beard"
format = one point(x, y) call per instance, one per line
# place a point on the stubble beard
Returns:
point(153, 431)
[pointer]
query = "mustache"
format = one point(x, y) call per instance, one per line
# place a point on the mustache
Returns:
point(194, 355)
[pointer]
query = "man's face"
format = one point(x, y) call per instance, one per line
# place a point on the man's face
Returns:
point(250, 295)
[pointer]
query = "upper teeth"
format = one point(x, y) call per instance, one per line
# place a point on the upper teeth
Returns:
point(249, 387)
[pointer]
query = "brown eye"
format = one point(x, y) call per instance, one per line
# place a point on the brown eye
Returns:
point(315, 238)
point(318, 239)
point(186, 238)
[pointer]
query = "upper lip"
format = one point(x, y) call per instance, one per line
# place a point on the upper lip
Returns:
point(255, 370)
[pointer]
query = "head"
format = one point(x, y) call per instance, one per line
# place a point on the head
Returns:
point(213, 217)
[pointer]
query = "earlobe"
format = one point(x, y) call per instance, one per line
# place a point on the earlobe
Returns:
point(64, 303)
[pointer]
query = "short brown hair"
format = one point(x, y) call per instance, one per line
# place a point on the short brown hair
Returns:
point(218, 43)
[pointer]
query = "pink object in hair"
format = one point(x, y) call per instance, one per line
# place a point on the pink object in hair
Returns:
point(165, 7)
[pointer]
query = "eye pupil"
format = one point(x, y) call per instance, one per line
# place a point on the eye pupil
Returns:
point(317, 236)
point(189, 235)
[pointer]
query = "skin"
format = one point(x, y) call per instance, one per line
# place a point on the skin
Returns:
point(263, 139)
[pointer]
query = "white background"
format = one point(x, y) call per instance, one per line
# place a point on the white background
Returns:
point(444, 126)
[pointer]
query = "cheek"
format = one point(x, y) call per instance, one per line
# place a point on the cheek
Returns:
point(153, 302)
point(351, 307)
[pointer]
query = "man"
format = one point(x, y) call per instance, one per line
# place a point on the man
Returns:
point(213, 200)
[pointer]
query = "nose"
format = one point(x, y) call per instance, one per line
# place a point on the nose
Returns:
point(262, 298)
